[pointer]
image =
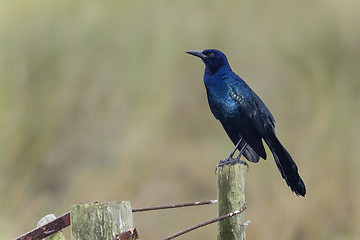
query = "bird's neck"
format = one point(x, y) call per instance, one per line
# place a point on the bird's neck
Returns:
point(217, 70)
point(212, 75)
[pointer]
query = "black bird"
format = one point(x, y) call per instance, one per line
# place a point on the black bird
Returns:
point(244, 117)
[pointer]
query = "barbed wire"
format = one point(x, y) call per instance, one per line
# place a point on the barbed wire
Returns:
point(207, 223)
point(174, 206)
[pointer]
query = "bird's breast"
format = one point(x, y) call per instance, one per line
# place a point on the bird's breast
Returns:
point(221, 104)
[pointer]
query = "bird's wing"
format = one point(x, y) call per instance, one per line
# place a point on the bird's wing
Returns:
point(251, 122)
point(248, 106)
point(265, 112)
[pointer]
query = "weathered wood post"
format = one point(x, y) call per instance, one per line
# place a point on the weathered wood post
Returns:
point(100, 221)
point(231, 197)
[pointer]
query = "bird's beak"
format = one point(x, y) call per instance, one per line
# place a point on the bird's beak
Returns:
point(197, 54)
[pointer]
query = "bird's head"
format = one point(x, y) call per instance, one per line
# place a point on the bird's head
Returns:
point(212, 58)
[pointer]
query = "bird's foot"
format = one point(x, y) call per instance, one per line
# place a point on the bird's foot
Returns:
point(231, 161)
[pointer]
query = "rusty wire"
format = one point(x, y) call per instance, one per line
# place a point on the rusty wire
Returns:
point(46, 230)
point(130, 234)
point(206, 223)
point(175, 206)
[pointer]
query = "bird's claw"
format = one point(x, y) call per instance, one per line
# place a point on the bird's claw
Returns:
point(224, 162)
point(245, 163)
point(231, 161)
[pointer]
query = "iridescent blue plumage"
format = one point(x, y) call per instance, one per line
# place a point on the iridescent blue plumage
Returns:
point(244, 116)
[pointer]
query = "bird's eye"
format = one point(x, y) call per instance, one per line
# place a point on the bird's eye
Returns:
point(212, 54)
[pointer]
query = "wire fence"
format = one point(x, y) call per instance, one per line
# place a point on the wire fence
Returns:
point(64, 221)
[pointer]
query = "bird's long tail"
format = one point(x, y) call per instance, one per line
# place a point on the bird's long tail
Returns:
point(286, 165)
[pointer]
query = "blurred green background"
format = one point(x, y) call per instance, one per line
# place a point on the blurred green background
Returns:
point(98, 101)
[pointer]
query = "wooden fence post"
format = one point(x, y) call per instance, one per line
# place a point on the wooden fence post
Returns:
point(231, 197)
point(100, 221)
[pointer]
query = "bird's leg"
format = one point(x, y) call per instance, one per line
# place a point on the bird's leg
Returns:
point(237, 160)
point(234, 150)
point(230, 159)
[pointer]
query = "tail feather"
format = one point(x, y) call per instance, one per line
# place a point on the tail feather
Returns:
point(251, 155)
point(286, 165)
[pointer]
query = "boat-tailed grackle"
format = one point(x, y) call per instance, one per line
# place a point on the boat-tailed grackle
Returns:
point(245, 118)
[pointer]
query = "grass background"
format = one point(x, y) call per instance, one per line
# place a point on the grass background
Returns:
point(98, 101)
